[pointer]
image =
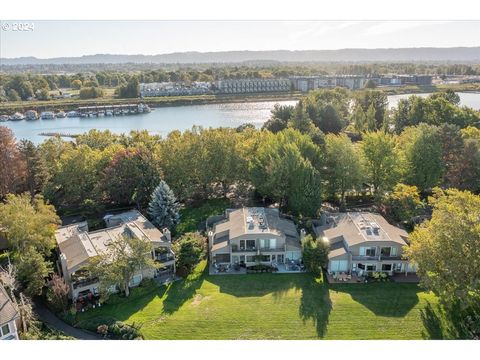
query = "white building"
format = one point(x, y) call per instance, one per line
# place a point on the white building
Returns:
point(242, 86)
point(9, 316)
point(77, 246)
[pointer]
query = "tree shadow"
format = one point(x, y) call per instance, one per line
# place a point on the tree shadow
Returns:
point(451, 322)
point(383, 299)
point(181, 291)
point(432, 322)
point(315, 304)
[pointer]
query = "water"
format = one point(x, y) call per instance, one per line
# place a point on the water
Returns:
point(160, 121)
point(466, 99)
point(163, 120)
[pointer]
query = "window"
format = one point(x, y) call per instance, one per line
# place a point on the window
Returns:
point(251, 258)
point(394, 251)
point(273, 243)
point(387, 267)
point(371, 267)
point(385, 251)
point(367, 251)
point(242, 244)
point(250, 244)
point(5, 330)
point(361, 266)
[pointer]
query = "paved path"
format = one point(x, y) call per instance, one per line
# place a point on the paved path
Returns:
point(53, 321)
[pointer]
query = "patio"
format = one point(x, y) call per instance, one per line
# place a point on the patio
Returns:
point(226, 269)
point(289, 269)
point(343, 278)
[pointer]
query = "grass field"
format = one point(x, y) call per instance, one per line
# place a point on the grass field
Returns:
point(193, 217)
point(270, 306)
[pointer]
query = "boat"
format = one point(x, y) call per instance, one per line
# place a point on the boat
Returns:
point(17, 116)
point(61, 114)
point(4, 118)
point(71, 114)
point(108, 113)
point(31, 115)
point(47, 115)
point(143, 108)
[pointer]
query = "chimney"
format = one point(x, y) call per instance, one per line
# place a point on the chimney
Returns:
point(167, 234)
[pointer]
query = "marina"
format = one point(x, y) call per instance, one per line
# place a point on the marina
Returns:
point(125, 118)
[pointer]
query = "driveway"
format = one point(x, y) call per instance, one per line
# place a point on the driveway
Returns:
point(49, 318)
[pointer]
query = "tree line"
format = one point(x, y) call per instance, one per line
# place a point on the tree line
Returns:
point(321, 149)
point(20, 85)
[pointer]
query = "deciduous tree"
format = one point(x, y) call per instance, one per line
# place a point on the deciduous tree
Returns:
point(125, 256)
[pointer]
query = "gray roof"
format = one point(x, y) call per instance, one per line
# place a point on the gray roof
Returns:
point(360, 227)
point(78, 245)
point(8, 311)
point(245, 221)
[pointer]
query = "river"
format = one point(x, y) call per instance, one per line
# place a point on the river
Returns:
point(165, 119)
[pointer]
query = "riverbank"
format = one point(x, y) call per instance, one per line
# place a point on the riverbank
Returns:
point(9, 108)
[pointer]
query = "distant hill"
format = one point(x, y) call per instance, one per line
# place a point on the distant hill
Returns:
point(456, 54)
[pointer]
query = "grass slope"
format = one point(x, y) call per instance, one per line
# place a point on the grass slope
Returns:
point(269, 306)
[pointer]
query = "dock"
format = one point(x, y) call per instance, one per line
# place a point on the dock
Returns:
point(121, 109)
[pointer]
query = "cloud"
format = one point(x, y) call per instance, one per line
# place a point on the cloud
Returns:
point(392, 27)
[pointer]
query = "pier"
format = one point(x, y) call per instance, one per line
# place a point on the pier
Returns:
point(121, 109)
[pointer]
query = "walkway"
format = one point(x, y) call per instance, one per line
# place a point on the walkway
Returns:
point(53, 321)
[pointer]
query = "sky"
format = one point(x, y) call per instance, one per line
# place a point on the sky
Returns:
point(76, 38)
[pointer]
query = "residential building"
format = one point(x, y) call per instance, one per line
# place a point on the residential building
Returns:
point(362, 243)
point(76, 246)
point(307, 83)
point(250, 235)
point(175, 88)
point(241, 86)
point(9, 316)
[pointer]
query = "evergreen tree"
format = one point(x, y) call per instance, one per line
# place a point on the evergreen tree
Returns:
point(163, 207)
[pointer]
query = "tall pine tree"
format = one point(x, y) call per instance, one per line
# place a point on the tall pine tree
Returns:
point(163, 207)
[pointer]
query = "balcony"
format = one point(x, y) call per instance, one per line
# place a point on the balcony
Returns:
point(275, 249)
point(163, 256)
point(84, 282)
point(237, 249)
point(365, 257)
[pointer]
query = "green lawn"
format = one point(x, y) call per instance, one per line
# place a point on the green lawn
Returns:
point(193, 217)
point(270, 306)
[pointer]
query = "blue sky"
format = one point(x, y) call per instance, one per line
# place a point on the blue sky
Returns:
point(76, 38)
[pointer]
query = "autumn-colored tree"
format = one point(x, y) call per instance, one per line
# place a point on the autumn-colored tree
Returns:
point(446, 248)
point(12, 168)
point(28, 223)
point(131, 176)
